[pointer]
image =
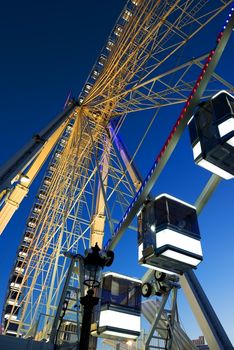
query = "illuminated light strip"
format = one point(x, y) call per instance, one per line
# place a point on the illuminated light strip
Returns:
point(177, 123)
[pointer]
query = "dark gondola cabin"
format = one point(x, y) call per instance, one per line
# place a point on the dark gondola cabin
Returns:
point(120, 308)
point(168, 235)
point(212, 135)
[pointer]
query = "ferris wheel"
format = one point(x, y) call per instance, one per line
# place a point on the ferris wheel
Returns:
point(93, 191)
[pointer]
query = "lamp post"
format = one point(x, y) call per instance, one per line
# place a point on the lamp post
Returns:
point(94, 262)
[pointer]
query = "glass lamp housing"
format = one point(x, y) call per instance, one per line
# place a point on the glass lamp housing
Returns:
point(212, 135)
point(92, 275)
point(168, 235)
point(94, 262)
point(120, 309)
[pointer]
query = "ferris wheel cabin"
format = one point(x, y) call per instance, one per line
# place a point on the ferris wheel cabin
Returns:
point(212, 135)
point(168, 235)
point(120, 309)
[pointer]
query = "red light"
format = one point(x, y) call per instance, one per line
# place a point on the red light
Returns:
point(219, 37)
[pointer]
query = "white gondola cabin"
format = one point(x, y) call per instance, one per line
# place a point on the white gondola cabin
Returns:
point(120, 308)
point(168, 235)
point(127, 15)
point(102, 60)
point(212, 135)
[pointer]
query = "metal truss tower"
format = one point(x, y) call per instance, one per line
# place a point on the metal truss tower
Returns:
point(91, 180)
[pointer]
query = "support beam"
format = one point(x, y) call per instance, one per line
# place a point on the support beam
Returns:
point(208, 321)
point(132, 170)
point(17, 164)
point(207, 192)
point(102, 206)
point(55, 326)
point(156, 320)
point(20, 191)
point(99, 218)
point(72, 269)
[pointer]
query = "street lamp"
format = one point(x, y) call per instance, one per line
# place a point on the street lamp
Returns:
point(94, 262)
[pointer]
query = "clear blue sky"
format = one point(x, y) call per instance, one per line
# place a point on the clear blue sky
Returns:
point(48, 49)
